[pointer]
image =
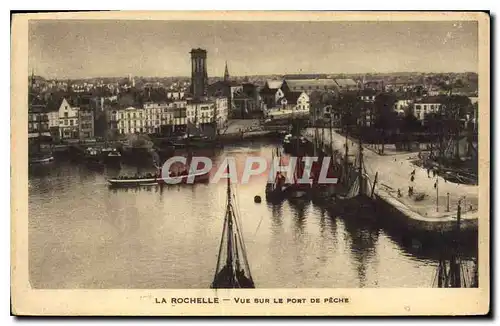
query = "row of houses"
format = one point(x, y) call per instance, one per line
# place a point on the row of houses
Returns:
point(75, 119)
point(69, 120)
point(293, 97)
point(156, 117)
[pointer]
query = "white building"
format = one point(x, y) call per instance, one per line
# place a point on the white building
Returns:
point(426, 106)
point(154, 116)
point(68, 120)
point(131, 120)
point(221, 111)
point(291, 103)
point(201, 113)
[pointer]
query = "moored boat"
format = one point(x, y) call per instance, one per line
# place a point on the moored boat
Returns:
point(41, 159)
point(151, 180)
point(232, 270)
point(276, 190)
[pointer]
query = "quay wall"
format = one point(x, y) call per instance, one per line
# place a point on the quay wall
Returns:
point(412, 217)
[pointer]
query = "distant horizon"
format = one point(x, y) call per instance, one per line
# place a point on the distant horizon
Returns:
point(79, 49)
point(257, 75)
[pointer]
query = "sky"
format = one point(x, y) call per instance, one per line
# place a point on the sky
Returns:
point(80, 49)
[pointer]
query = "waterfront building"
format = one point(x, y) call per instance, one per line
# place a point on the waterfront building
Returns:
point(68, 120)
point(222, 111)
point(246, 101)
point(131, 120)
point(154, 116)
point(37, 116)
point(86, 123)
point(269, 93)
point(291, 103)
point(175, 115)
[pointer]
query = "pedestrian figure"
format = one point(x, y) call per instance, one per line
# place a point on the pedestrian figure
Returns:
point(399, 192)
point(409, 191)
point(412, 178)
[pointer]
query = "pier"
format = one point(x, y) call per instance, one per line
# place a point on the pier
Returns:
point(438, 199)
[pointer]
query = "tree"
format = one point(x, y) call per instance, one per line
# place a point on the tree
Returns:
point(409, 124)
point(350, 107)
point(385, 116)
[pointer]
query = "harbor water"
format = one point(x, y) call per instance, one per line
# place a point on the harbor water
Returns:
point(84, 235)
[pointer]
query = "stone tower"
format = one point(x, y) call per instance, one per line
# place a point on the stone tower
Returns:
point(199, 76)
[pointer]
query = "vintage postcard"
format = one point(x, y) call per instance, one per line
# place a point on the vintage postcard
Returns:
point(250, 163)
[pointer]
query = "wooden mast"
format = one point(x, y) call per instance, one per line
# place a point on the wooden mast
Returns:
point(360, 167)
point(229, 258)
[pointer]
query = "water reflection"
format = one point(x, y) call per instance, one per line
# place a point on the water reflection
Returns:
point(363, 236)
point(299, 208)
point(84, 234)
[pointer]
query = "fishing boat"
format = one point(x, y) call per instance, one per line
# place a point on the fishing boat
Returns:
point(298, 189)
point(277, 189)
point(232, 270)
point(353, 196)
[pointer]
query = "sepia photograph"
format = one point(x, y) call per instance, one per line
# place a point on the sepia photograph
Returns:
point(227, 163)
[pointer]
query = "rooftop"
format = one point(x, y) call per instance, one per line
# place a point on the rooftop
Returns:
point(345, 82)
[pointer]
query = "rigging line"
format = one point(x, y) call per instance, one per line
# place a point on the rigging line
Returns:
point(224, 231)
point(258, 226)
point(436, 275)
point(465, 272)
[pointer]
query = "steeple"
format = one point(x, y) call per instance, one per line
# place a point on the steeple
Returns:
point(226, 74)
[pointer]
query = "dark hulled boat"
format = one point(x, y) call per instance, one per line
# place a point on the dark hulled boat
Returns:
point(233, 270)
point(353, 198)
point(277, 190)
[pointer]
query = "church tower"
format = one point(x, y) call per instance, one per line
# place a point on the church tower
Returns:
point(226, 74)
point(199, 76)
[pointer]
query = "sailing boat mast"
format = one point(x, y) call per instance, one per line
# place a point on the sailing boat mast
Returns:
point(360, 167)
point(346, 158)
point(229, 258)
point(235, 272)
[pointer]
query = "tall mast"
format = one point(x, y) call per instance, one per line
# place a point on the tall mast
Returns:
point(455, 261)
point(229, 259)
point(346, 158)
point(360, 167)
